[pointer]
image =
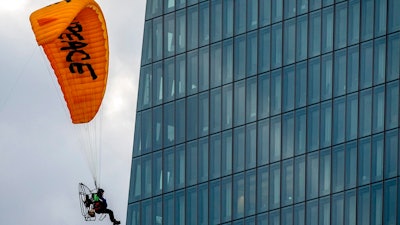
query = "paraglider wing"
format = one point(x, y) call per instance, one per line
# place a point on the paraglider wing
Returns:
point(74, 37)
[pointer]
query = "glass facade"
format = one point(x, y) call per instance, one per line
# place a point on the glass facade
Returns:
point(257, 112)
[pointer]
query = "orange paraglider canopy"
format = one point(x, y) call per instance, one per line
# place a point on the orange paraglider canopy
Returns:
point(74, 37)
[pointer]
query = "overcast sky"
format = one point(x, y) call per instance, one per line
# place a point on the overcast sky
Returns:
point(41, 162)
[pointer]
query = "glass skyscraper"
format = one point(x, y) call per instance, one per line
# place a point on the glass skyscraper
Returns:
point(268, 112)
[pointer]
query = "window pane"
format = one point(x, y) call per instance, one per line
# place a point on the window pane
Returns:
point(202, 204)
point(180, 208)
point(216, 20)
point(215, 156)
point(350, 208)
point(192, 117)
point(252, 14)
point(390, 202)
point(251, 99)
point(276, 46)
point(276, 10)
point(301, 37)
point(313, 129)
point(226, 206)
point(193, 27)
point(300, 132)
point(378, 116)
point(192, 72)
point(393, 22)
point(325, 211)
point(181, 31)
point(325, 173)
point(238, 196)
point(299, 214)
point(301, 84)
point(338, 168)
point(180, 168)
point(215, 110)
point(341, 25)
point(290, 8)
point(157, 39)
point(352, 116)
point(157, 83)
point(239, 69)
point(135, 190)
point(339, 78)
point(379, 60)
point(366, 64)
point(239, 149)
point(314, 47)
point(338, 120)
point(168, 169)
point(275, 140)
point(263, 142)
point(146, 131)
point(326, 76)
point(264, 50)
point(377, 157)
point(364, 159)
point(391, 153)
point(180, 76)
point(147, 176)
point(312, 212)
point(351, 165)
point(204, 69)
point(393, 65)
point(288, 88)
point(239, 105)
point(263, 95)
point(326, 124)
point(145, 88)
point(180, 120)
point(191, 206)
point(157, 173)
point(354, 22)
point(392, 105)
point(365, 113)
point(169, 79)
point(299, 179)
point(314, 82)
point(380, 17)
point(352, 68)
point(226, 152)
point(169, 124)
point(169, 35)
point(227, 61)
point(327, 30)
point(262, 189)
point(363, 203)
point(191, 163)
point(276, 92)
point(367, 21)
point(275, 186)
point(215, 201)
point(376, 204)
point(265, 12)
point(289, 35)
point(227, 20)
point(251, 54)
point(251, 146)
point(287, 182)
point(240, 16)
point(203, 160)
point(203, 114)
point(337, 209)
point(227, 114)
point(147, 43)
point(312, 175)
point(288, 135)
point(204, 24)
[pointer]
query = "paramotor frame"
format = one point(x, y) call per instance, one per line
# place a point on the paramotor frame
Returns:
point(86, 200)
